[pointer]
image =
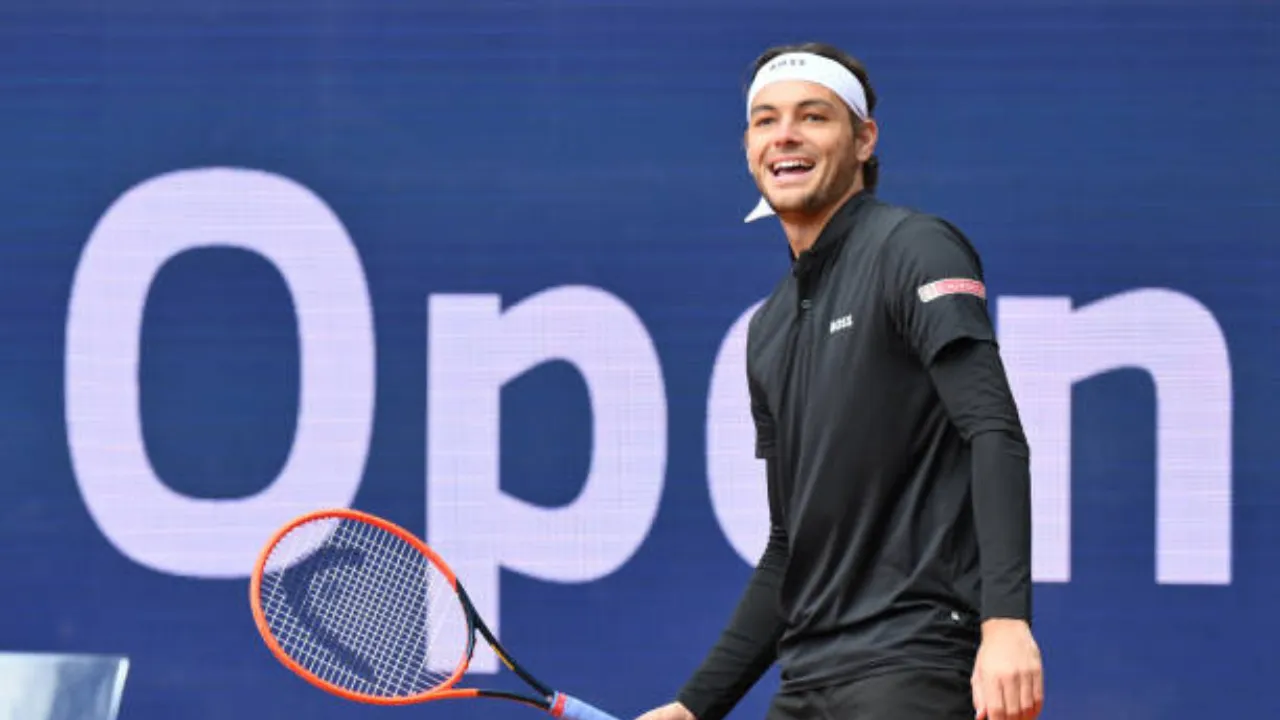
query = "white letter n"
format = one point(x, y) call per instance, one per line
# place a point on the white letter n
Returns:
point(1047, 347)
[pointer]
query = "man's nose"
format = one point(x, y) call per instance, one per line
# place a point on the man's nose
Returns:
point(786, 134)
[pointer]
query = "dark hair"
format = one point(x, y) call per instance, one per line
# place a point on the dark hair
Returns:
point(871, 168)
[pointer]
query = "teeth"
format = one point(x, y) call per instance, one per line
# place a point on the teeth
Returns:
point(790, 165)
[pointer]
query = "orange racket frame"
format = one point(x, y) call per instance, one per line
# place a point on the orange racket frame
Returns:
point(558, 704)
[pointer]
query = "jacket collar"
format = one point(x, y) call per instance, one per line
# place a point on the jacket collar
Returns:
point(832, 236)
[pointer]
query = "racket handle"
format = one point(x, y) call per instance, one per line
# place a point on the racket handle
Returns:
point(567, 707)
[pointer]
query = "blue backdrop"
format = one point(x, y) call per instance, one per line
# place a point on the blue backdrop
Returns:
point(257, 257)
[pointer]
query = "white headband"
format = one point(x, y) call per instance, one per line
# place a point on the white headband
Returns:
point(810, 68)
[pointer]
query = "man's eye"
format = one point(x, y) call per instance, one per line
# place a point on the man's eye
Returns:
point(814, 117)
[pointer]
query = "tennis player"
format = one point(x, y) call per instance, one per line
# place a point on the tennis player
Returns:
point(896, 584)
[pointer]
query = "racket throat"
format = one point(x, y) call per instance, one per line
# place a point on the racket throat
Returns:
point(478, 624)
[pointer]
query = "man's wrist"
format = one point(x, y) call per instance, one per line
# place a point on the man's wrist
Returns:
point(683, 706)
point(998, 624)
point(691, 704)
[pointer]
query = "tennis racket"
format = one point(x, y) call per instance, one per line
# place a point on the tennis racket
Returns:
point(361, 608)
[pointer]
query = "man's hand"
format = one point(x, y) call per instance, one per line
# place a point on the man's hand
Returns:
point(671, 711)
point(1008, 680)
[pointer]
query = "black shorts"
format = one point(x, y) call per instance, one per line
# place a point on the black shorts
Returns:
point(896, 695)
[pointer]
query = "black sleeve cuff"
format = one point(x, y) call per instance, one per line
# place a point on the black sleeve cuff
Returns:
point(1002, 513)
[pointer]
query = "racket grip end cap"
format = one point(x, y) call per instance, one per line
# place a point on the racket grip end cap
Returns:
point(568, 707)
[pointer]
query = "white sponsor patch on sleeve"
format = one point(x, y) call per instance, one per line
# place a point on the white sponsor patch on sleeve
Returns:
point(951, 286)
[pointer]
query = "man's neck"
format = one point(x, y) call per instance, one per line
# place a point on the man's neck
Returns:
point(802, 231)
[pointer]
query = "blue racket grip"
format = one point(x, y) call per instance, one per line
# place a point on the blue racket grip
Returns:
point(568, 707)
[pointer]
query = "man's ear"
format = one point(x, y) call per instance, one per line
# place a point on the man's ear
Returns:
point(866, 134)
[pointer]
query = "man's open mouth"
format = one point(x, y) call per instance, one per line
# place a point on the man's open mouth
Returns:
point(790, 168)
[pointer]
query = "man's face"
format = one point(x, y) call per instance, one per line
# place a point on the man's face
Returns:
point(801, 147)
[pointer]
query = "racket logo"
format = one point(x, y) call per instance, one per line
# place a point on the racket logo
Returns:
point(297, 582)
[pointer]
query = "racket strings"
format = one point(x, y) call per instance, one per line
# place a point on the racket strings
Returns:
point(362, 609)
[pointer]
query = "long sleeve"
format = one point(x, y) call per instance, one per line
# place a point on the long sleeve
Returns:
point(936, 294)
point(748, 645)
point(971, 382)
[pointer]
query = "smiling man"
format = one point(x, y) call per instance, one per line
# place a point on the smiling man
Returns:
point(896, 583)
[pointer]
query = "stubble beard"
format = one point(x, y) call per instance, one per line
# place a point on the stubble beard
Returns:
point(822, 197)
